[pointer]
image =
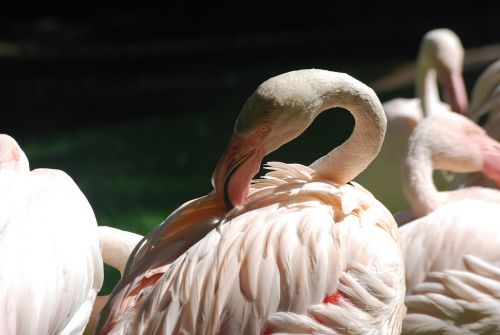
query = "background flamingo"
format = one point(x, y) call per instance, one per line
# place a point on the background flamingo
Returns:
point(440, 59)
point(322, 253)
point(451, 248)
point(51, 268)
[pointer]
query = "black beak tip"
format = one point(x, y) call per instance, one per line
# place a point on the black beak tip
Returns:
point(227, 201)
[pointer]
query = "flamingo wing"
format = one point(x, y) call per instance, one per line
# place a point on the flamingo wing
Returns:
point(364, 302)
point(285, 251)
point(156, 251)
point(439, 241)
point(456, 301)
point(51, 268)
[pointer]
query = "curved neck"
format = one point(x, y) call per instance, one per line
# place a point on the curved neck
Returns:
point(349, 159)
point(418, 184)
point(116, 246)
point(427, 88)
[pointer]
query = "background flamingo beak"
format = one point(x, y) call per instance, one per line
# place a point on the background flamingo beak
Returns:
point(491, 166)
point(454, 92)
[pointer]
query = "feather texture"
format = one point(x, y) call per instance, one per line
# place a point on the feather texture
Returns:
point(457, 301)
point(297, 239)
point(51, 267)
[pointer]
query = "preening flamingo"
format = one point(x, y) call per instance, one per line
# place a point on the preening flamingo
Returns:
point(302, 251)
point(51, 267)
point(440, 60)
point(485, 109)
point(452, 257)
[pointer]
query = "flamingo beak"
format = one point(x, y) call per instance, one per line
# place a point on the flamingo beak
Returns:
point(454, 92)
point(491, 166)
point(236, 168)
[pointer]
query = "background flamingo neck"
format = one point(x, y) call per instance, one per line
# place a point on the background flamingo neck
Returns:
point(418, 184)
point(427, 89)
point(349, 159)
point(116, 246)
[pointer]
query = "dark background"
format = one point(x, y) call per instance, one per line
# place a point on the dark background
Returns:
point(85, 45)
point(136, 102)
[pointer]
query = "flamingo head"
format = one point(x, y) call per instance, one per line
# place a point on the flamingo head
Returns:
point(442, 50)
point(238, 165)
point(278, 111)
point(463, 146)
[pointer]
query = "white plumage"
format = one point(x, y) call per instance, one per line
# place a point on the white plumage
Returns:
point(454, 234)
point(51, 267)
point(457, 301)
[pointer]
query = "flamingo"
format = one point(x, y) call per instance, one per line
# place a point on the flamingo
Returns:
point(451, 244)
point(302, 250)
point(51, 266)
point(485, 109)
point(440, 57)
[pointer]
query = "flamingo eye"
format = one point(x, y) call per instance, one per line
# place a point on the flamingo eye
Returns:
point(265, 129)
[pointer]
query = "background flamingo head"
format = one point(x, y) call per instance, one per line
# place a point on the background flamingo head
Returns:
point(442, 50)
point(457, 144)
